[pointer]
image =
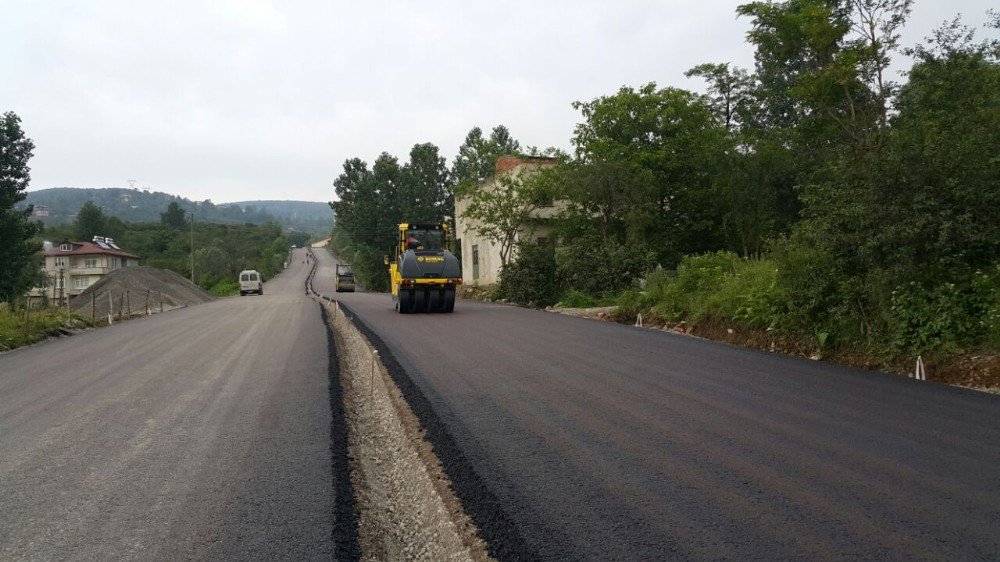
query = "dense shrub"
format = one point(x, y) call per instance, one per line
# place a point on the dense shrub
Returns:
point(596, 267)
point(945, 317)
point(576, 299)
point(531, 278)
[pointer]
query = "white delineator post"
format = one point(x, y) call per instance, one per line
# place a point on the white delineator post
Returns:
point(920, 372)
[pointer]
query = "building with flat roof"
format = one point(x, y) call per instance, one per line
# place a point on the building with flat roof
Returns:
point(481, 261)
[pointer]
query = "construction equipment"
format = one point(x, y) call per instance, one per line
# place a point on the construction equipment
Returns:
point(425, 274)
point(344, 279)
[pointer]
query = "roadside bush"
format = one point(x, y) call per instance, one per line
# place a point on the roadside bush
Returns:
point(224, 288)
point(576, 299)
point(633, 302)
point(531, 278)
point(19, 327)
point(689, 294)
point(811, 281)
point(597, 267)
point(946, 317)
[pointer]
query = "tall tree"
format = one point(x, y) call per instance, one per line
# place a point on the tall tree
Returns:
point(668, 142)
point(174, 216)
point(18, 272)
point(90, 222)
point(427, 186)
point(477, 157)
point(729, 89)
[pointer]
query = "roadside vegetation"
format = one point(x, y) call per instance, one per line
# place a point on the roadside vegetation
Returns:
point(23, 326)
point(812, 198)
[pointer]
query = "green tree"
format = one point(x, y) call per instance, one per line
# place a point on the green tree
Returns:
point(666, 141)
point(730, 91)
point(477, 156)
point(502, 210)
point(90, 221)
point(19, 272)
point(174, 216)
point(426, 186)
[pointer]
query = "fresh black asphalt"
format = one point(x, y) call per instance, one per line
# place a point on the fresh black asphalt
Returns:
point(574, 439)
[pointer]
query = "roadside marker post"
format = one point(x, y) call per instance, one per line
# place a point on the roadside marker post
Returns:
point(111, 308)
point(371, 387)
point(920, 372)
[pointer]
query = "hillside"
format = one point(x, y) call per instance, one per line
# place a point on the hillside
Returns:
point(136, 205)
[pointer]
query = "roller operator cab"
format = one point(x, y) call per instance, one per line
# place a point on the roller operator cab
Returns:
point(425, 274)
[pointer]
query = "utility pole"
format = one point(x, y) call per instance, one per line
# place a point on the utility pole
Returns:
point(192, 247)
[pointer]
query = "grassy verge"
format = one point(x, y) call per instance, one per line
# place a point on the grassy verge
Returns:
point(22, 327)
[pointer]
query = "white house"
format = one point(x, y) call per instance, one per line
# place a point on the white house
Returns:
point(481, 257)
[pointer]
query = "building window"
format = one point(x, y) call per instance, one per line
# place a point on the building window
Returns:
point(475, 261)
point(66, 247)
point(90, 262)
point(81, 282)
point(60, 262)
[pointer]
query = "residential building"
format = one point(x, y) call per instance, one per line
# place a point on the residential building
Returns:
point(481, 261)
point(40, 212)
point(71, 267)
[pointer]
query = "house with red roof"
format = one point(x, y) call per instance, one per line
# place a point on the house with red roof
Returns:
point(70, 267)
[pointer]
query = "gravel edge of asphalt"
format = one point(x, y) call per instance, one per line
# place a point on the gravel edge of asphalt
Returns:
point(345, 515)
point(503, 541)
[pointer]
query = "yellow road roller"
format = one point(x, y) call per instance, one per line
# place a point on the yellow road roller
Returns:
point(425, 274)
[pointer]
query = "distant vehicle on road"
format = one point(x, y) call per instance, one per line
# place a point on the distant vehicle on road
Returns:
point(251, 282)
point(344, 280)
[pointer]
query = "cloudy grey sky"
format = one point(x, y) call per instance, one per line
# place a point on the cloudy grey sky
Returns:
point(251, 99)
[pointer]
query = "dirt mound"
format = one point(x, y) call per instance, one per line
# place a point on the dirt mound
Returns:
point(132, 289)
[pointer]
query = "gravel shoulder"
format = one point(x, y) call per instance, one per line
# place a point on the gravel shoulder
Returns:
point(405, 506)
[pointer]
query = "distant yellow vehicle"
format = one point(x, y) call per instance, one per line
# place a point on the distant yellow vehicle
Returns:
point(425, 274)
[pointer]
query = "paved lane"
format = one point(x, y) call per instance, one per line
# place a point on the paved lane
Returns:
point(602, 441)
point(198, 433)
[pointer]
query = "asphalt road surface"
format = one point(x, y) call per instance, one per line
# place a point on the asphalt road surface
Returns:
point(199, 433)
point(591, 440)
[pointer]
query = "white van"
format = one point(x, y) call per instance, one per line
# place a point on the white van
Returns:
point(251, 282)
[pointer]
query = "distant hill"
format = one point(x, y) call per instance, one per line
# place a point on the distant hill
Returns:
point(62, 203)
point(319, 215)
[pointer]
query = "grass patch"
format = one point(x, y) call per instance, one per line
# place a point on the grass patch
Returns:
point(576, 299)
point(20, 327)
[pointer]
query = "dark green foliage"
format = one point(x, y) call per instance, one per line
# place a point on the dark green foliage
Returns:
point(597, 266)
point(531, 278)
point(576, 299)
point(90, 221)
point(18, 271)
point(174, 216)
point(371, 203)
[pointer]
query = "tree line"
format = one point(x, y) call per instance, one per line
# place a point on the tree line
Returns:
point(811, 195)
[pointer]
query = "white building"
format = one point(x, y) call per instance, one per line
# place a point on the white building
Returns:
point(481, 261)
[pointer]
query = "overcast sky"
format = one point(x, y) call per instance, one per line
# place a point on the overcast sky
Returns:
point(250, 99)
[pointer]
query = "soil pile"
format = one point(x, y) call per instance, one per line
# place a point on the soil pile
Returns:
point(132, 289)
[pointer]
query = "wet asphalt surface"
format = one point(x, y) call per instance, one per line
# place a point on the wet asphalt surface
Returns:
point(201, 433)
point(568, 438)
